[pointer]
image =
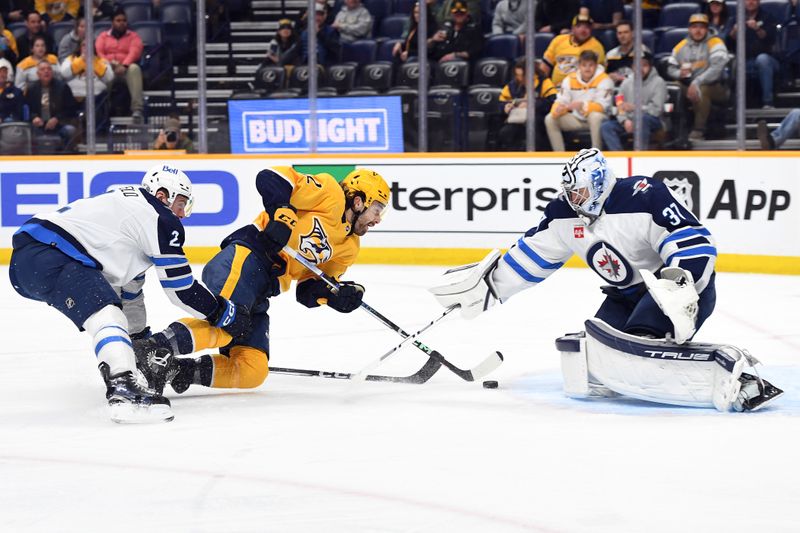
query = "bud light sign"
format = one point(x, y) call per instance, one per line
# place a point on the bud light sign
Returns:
point(361, 124)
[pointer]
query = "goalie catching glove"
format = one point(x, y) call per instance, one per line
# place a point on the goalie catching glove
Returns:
point(315, 292)
point(677, 297)
point(469, 286)
point(231, 318)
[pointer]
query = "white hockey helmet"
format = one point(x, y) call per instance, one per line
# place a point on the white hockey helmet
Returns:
point(587, 181)
point(171, 179)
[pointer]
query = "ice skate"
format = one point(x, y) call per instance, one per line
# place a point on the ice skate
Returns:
point(130, 402)
point(755, 393)
point(155, 361)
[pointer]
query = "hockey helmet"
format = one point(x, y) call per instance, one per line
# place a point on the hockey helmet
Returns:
point(370, 184)
point(171, 179)
point(587, 181)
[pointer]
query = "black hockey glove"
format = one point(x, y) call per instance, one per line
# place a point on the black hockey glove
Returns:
point(233, 319)
point(282, 220)
point(346, 300)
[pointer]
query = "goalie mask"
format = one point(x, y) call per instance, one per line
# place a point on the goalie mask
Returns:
point(370, 187)
point(173, 180)
point(587, 181)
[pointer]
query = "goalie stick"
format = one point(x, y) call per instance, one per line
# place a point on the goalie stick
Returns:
point(472, 374)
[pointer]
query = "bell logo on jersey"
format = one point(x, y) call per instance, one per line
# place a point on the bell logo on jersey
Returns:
point(314, 245)
point(577, 232)
point(609, 263)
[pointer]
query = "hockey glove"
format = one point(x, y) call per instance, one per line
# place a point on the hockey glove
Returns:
point(314, 292)
point(282, 220)
point(233, 319)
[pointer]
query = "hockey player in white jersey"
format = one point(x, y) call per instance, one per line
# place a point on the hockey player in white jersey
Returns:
point(88, 260)
point(658, 262)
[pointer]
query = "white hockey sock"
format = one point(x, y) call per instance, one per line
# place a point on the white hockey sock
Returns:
point(112, 344)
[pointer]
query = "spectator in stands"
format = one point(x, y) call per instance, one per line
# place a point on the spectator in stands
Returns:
point(459, 38)
point(561, 56)
point(719, 21)
point(171, 137)
point(15, 10)
point(510, 16)
point(35, 26)
point(760, 36)
point(123, 48)
point(101, 10)
point(697, 63)
point(605, 13)
point(353, 22)
point(788, 127)
point(52, 107)
point(71, 42)
point(583, 102)
point(57, 10)
point(653, 97)
point(408, 46)
point(511, 135)
point(11, 98)
point(8, 44)
point(73, 71)
point(445, 11)
point(28, 68)
point(555, 16)
point(329, 48)
point(283, 48)
point(620, 59)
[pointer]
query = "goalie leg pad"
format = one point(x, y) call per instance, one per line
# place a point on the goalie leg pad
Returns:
point(469, 286)
point(657, 370)
point(578, 383)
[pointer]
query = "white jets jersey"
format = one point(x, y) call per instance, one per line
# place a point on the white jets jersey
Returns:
point(643, 226)
point(123, 233)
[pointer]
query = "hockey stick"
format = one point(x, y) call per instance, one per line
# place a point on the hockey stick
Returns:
point(477, 372)
point(419, 377)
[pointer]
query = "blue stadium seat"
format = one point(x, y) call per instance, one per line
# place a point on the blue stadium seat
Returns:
point(392, 26)
point(385, 50)
point(341, 77)
point(505, 46)
point(154, 57)
point(138, 11)
point(58, 30)
point(607, 37)
point(377, 76)
point(17, 29)
point(379, 9)
point(404, 6)
point(779, 9)
point(360, 52)
point(491, 71)
point(178, 27)
point(668, 40)
point(451, 74)
point(677, 15)
point(408, 75)
point(100, 26)
point(540, 43)
point(270, 78)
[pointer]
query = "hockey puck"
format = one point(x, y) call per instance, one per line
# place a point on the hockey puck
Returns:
point(489, 384)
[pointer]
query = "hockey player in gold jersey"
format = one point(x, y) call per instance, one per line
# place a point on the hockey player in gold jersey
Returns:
point(313, 214)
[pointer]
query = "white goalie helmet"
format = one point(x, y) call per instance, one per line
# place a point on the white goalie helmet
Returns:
point(173, 180)
point(587, 181)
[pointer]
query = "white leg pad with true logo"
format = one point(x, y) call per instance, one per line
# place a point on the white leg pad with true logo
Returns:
point(656, 370)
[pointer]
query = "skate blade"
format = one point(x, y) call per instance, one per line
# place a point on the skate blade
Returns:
point(126, 413)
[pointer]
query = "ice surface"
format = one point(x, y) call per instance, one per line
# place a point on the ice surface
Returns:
point(310, 454)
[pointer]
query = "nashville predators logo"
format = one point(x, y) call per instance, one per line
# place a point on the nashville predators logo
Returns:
point(314, 246)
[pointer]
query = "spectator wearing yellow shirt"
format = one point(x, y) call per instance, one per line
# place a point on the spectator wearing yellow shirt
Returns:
point(583, 102)
point(58, 10)
point(561, 56)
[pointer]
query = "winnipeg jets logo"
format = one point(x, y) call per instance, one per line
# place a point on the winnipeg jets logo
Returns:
point(641, 186)
point(609, 263)
point(314, 245)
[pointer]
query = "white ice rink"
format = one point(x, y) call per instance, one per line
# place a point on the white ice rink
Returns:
point(304, 454)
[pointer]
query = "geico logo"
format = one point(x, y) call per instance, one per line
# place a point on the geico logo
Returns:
point(18, 203)
point(333, 130)
point(472, 200)
point(686, 356)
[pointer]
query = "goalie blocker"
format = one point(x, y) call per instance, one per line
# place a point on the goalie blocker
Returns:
point(605, 362)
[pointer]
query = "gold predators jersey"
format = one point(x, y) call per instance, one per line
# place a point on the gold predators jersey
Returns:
point(321, 235)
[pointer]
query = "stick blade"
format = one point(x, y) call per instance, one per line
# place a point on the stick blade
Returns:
point(488, 366)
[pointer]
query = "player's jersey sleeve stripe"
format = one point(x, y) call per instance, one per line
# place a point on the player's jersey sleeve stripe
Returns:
point(178, 272)
point(684, 233)
point(693, 252)
point(697, 241)
point(536, 258)
point(177, 284)
point(161, 261)
point(524, 274)
point(130, 295)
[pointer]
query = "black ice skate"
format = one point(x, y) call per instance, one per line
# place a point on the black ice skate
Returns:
point(130, 402)
point(755, 393)
point(155, 361)
point(181, 374)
